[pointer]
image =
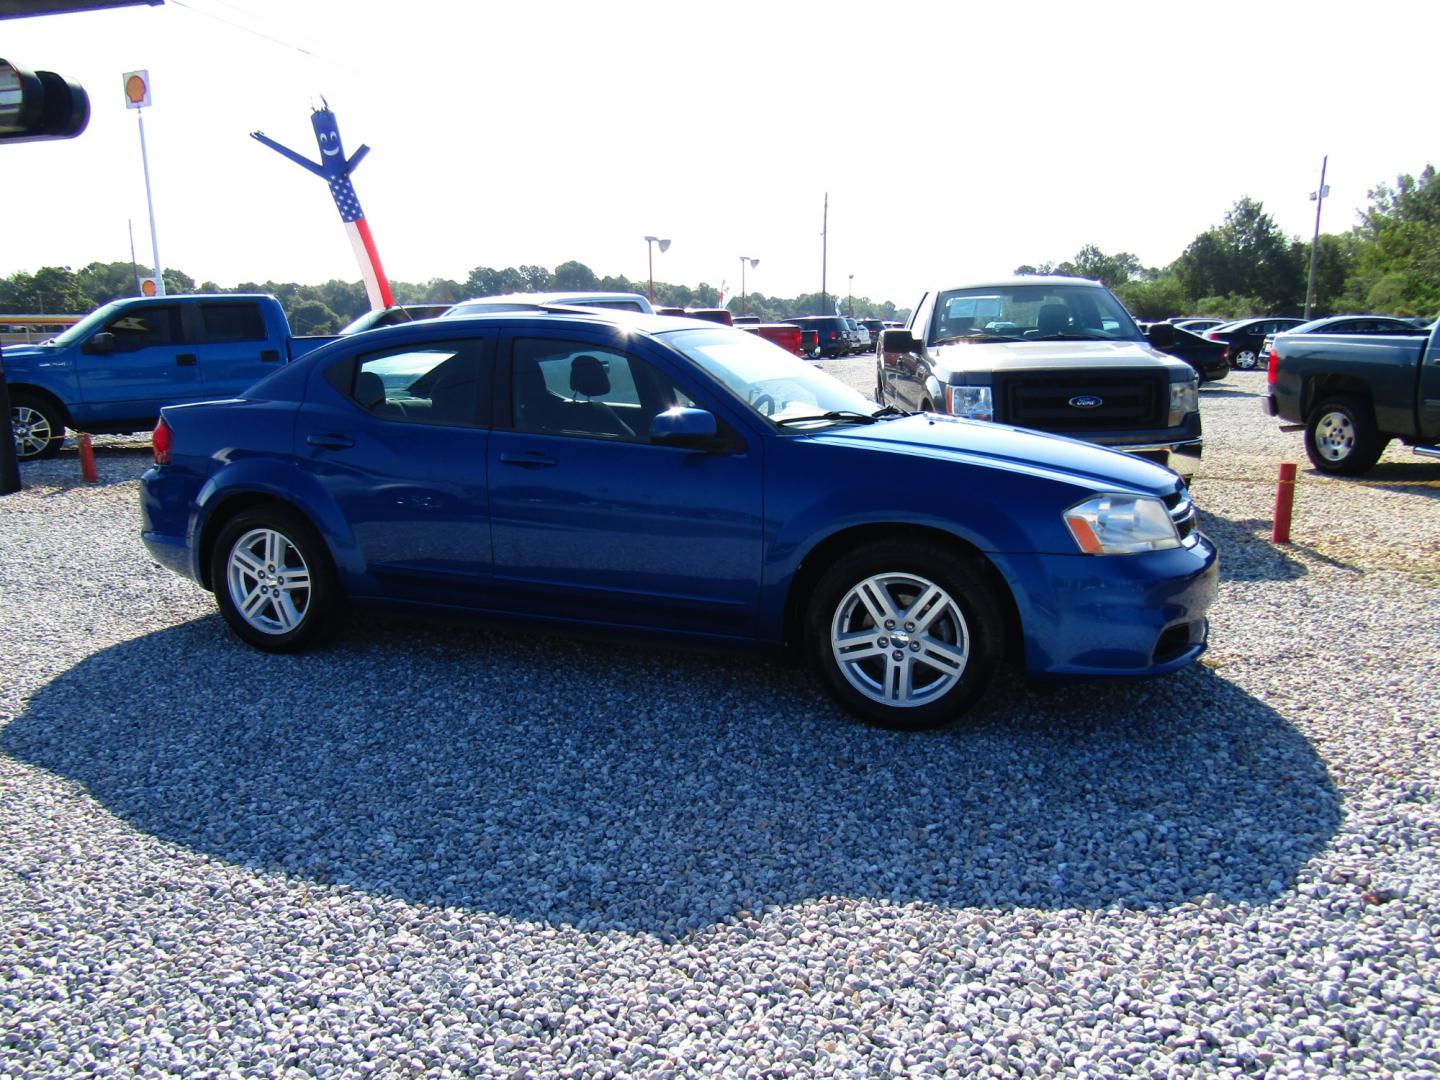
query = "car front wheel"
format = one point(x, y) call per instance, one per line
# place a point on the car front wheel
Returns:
point(1341, 438)
point(904, 634)
point(37, 427)
point(274, 580)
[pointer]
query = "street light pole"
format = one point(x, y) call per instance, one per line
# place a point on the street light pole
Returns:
point(753, 263)
point(650, 242)
point(1318, 198)
point(851, 296)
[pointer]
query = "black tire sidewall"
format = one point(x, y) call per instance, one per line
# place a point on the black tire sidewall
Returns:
point(321, 617)
point(954, 573)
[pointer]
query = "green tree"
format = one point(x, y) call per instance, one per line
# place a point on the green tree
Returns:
point(574, 276)
point(312, 317)
point(1246, 256)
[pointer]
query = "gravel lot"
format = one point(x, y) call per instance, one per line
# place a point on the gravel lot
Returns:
point(447, 851)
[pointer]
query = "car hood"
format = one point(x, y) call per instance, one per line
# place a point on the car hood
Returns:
point(1002, 446)
point(1044, 355)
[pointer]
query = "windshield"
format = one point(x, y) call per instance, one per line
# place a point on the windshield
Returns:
point(88, 325)
point(1030, 313)
point(775, 384)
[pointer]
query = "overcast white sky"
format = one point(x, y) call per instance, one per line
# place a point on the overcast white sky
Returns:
point(955, 140)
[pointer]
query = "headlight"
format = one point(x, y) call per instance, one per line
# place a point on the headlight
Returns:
point(1121, 525)
point(1184, 399)
point(972, 402)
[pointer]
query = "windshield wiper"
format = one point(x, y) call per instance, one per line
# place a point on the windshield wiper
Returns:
point(976, 338)
point(849, 416)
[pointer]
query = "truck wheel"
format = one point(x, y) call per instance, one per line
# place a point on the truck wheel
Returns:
point(1247, 359)
point(38, 429)
point(274, 580)
point(1341, 437)
point(904, 634)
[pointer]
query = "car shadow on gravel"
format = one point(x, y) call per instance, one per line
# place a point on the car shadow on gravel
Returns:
point(610, 787)
point(1246, 553)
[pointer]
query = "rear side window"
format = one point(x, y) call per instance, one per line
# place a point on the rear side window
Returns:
point(231, 322)
point(444, 383)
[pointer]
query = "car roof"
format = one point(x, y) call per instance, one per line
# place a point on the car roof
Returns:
point(1025, 279)
point(536, 299)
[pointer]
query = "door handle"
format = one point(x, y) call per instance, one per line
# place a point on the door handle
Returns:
point(330, 442)
point(531, 459)
point(268, 355)
point(185, 359)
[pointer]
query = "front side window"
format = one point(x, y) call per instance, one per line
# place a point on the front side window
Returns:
point(571, 388)
point(443, 383)
point(142, 328)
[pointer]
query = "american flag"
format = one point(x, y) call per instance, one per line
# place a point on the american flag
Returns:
point(377, 285)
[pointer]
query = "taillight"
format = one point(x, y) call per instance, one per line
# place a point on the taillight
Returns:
point(1272, 365)
point(833, 335)
point(1213, 337)
point(161, 441)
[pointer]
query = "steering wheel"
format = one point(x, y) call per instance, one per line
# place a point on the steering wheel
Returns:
point(765, 404)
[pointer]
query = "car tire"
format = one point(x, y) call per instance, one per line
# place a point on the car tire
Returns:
point(904, 634)
point(1247, 359)
point(37, 425)
point(274, 580)
point(1341, 437)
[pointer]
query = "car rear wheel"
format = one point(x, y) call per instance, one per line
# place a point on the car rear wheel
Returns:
point(1247, 359)
point(904, 634)
point(1341, 437)
point(38, 429)
point(274, 580)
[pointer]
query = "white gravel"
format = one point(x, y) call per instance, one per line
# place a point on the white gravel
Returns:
point(447, 851)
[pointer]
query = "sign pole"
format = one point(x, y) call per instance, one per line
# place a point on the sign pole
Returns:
point(9, 464)
point(137, 96)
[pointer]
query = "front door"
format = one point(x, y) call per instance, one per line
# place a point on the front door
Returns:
point(149, 365)
point(592, 521)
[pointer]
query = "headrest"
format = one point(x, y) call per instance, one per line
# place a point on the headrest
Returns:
point(588, 376)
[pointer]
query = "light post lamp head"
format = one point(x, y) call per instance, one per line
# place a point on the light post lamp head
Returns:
point(650, 242)
point(753, 263)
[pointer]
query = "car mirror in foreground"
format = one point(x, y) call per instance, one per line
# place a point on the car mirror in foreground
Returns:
point(102, 343)
point(694, 428)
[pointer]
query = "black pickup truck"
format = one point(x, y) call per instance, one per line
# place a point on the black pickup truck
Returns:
point(1353, 393)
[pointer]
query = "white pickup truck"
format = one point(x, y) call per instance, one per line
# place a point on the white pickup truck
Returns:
point(1057, 354)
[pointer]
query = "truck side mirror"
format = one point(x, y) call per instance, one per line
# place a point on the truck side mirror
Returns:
point(898, 341)
point(102, 343)
point(1161, 335)
point(40, 105)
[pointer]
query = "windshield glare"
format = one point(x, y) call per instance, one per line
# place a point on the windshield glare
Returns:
point(1030, 312)
point(775, 384)
point(88, 325)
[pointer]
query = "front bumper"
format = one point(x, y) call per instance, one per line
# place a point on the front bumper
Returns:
point(1113, 615)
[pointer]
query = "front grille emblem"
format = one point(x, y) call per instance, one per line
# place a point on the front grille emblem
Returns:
point(1086, 401)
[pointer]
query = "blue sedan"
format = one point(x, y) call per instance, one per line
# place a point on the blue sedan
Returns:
point(644, 474)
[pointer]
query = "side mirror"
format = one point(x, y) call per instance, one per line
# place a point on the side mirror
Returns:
point(694, 428)
point(1161, 335)
point(898, 341)
point(103, 343)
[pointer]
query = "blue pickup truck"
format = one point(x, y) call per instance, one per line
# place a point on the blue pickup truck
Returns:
point(110, 373)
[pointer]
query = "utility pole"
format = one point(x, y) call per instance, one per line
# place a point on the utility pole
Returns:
point(825, 252)
point(1319, 197)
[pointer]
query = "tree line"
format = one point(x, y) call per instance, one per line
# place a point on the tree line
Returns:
point(323, 309)
point(1389, 263)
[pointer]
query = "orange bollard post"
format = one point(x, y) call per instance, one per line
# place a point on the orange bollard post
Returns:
point(1284, 504)
point(87, 460)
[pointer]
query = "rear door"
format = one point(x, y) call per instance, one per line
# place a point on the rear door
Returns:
point(591, 520)
point(233, 348)
point(396, 440)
